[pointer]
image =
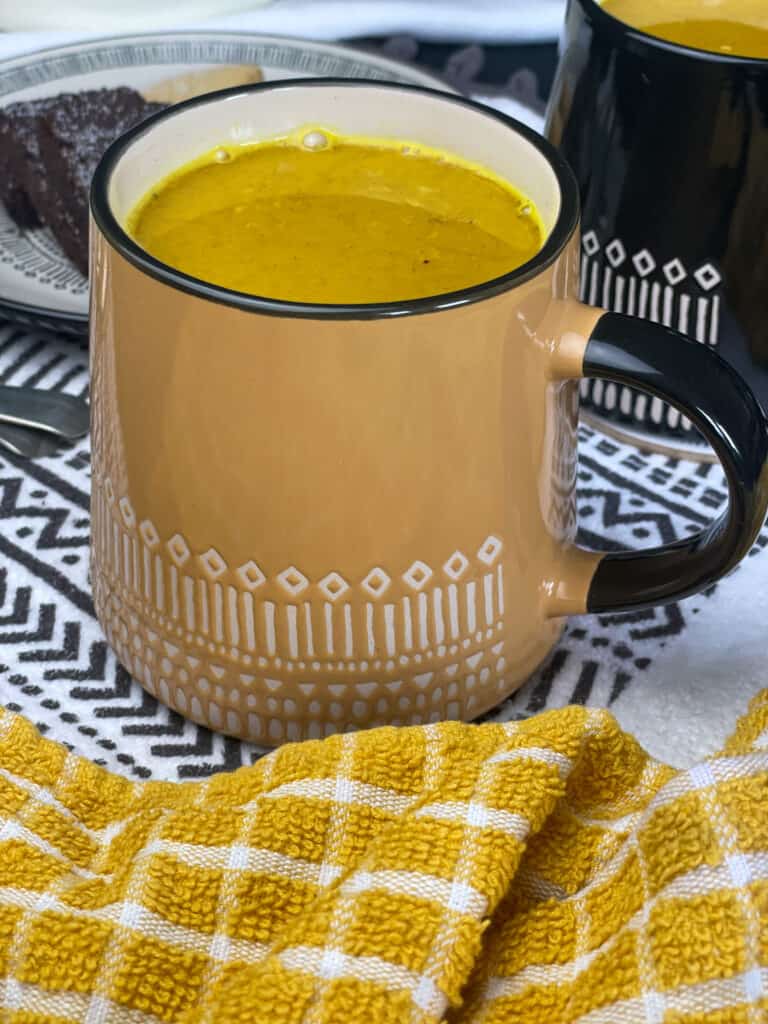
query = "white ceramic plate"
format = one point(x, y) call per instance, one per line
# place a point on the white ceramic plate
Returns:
point(38, 285)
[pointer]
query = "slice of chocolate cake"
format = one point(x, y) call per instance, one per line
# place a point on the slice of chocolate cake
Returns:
point(22, 175)
point(73, 135)
point(49, 149)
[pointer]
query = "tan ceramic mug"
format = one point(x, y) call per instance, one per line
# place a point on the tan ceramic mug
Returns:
point(311, 518)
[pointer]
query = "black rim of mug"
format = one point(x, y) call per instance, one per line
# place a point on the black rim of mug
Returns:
point(121, 241)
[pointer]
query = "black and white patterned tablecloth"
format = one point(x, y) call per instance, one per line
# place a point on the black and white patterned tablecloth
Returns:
point(56, 668)
point(677, 677)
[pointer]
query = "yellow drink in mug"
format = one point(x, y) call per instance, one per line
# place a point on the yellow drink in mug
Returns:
point(736, 27)
point(327, 219)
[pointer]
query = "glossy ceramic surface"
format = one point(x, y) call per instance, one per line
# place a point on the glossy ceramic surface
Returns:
point(669, 146)
point(309, 519)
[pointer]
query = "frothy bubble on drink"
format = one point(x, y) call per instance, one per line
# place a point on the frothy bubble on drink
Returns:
point(315, 140)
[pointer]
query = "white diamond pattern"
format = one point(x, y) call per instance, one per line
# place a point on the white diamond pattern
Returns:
point(644, 263)
point(149, 533)
point(376, 583)
point(456, 565)
point(126, 511)
point(417, 576)
point(250, 575)
point(293, 581)
point(333, 586)
point(675, 272)
point(708, 277)
point(616, 253)
point(489, 551)
point(213, 563)
point(590, 243)
point(178, 550)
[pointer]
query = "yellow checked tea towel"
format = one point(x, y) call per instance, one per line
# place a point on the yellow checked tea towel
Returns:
point(537, 872)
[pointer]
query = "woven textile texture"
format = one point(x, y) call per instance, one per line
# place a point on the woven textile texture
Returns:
point(540, 871)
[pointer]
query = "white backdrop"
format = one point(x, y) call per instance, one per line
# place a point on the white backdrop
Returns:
point(485, 21)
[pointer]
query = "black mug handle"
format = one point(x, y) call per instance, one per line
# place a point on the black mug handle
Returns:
point(714, 397)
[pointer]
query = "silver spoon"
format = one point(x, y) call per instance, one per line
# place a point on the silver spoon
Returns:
point(32, 444)
point(48, 411)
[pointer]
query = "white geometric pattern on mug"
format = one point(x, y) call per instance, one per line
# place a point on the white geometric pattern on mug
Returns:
point(624, 285)
point(280, 622)
point(275, 707)
point(661, 292)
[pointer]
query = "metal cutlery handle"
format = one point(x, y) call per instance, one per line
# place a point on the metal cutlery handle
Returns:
point(63, 415)
point(32, 444)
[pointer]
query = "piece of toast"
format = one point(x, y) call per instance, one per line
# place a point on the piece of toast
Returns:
point(195, 83)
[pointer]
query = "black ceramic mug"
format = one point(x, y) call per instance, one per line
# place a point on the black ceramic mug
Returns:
point(670, 150)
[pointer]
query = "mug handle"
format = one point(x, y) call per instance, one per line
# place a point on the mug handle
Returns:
point(692, 377)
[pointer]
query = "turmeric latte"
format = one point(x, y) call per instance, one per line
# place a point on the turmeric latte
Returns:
point(324, 219)
point(735, 27)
